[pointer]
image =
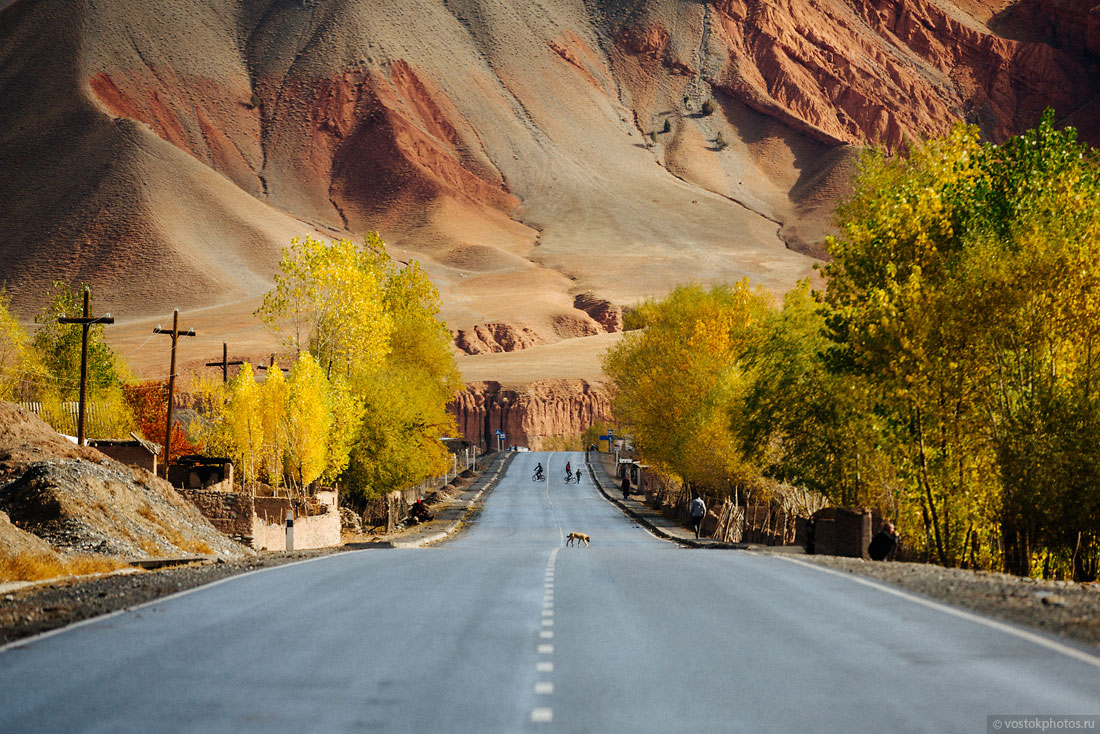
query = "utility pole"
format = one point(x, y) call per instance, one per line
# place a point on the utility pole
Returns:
point(225, 364)
point(175, 333)
point(270, 365)
point(86, 322)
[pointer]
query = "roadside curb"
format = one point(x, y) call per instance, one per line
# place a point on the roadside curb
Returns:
point(655, 529)
point(490, 481)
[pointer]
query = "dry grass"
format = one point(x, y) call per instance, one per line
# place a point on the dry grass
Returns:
point(35, 567)
point(197, 547)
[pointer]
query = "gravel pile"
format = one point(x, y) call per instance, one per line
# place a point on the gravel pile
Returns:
point(82, 503)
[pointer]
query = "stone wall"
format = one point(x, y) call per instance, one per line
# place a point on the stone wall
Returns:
point(529, 416)
point(229, 512)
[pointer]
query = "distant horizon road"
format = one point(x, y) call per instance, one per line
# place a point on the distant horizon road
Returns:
point(503, 629)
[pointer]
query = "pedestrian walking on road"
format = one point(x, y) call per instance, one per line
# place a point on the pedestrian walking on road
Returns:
point(698, 512)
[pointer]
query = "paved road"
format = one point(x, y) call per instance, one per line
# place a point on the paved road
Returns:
point(506, 630)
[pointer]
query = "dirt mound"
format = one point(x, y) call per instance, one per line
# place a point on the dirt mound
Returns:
point(79, 501)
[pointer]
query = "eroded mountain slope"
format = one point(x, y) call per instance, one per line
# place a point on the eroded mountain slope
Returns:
point(534, 155)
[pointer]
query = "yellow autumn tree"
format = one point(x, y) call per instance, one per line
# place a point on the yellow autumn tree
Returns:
point(245, 424)
point(328, 299)
point(677, 380)
point(405, 399)
point(274, 397)
point(20, 368)
point(308, 421)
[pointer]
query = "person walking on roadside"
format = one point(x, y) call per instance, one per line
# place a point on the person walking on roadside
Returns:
point(698, 512)
point(626, 486)
point(884, 543)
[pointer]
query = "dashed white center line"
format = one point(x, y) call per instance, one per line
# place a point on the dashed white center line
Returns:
point(542, 715)
point(545, 714)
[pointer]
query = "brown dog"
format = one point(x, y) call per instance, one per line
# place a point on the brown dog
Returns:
point(579, 537)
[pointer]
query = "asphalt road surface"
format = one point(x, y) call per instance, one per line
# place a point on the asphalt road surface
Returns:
point(506, 630)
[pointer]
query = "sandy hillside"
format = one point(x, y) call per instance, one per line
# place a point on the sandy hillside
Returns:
point(531, 154)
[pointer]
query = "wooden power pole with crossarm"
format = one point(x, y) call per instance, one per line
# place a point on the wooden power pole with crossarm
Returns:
point(175, 333)
point(225, 364)
point(86, 321)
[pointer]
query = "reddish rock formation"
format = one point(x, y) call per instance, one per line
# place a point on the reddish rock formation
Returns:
point(485, 338)
point(532, 417)
point(608, 315)
point(885, 71)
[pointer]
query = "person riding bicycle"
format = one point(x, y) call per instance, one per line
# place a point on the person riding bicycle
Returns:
point(538, 472)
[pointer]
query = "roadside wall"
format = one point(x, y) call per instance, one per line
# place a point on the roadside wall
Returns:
point(229, 512)
point(130, 453)
point(838, 531)
point(261, 521)
point(310, 531)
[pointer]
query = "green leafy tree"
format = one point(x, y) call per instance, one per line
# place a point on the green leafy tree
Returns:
point(806, 424)
point(59, 347)
point(58, 350)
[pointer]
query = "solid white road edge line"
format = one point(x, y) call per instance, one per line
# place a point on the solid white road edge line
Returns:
point(126, 610)
point(1053, 645)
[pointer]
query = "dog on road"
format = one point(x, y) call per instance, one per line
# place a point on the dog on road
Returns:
point(578, 537)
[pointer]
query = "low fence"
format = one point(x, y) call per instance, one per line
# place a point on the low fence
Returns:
point(392, 508)
point(797, 518)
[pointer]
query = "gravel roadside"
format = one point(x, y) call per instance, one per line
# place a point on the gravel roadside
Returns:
point(1062, 608)
point(37, 609)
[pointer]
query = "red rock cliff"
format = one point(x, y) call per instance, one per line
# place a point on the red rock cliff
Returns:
point(531, 416)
